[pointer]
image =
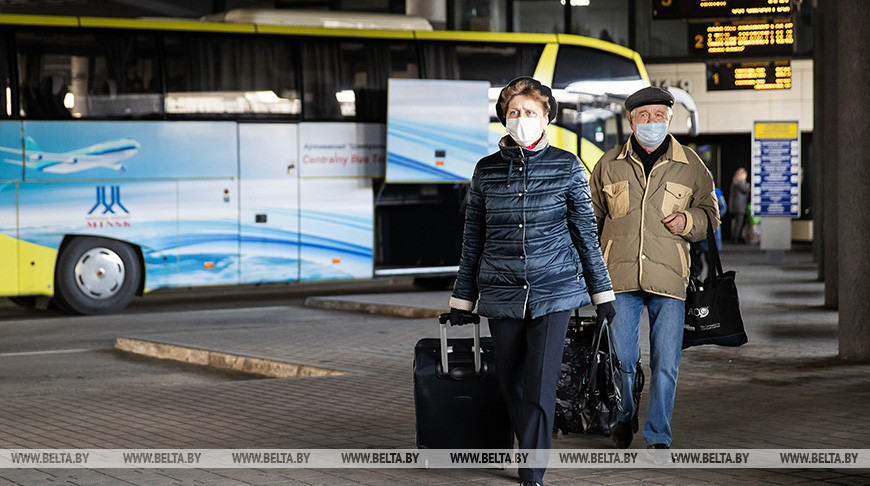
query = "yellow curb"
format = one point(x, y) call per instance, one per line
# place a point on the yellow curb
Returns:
point(217, 359)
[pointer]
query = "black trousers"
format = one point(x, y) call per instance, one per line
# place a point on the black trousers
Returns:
point(528, 354)
point(737, 226)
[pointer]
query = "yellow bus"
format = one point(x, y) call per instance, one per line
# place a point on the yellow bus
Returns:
point(141, 154)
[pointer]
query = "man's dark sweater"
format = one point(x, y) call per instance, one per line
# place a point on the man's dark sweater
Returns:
point(649, 159)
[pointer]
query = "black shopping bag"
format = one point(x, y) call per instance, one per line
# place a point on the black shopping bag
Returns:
point(712, 306)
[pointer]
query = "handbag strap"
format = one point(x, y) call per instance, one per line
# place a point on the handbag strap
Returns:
point(714, 263)
point(592, 371)
point(615, 367)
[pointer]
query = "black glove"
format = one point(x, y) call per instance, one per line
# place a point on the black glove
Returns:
point(605, 310)
point(458, 317)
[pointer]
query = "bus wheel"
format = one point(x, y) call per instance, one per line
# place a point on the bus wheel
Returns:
point(434, 283)
point(96, 276)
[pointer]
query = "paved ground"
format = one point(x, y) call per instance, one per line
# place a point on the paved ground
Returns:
point(785, 389)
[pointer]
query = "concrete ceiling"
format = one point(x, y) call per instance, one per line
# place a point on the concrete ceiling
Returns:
point(182, 8)
point(115, 8)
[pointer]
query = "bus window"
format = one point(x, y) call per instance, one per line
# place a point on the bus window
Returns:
point(72, 75)
point(347, 79)
point(498, 64)
point(211, 75)
point(586, 70)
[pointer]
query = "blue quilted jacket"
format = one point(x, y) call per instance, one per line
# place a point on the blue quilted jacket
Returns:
point(530, 239)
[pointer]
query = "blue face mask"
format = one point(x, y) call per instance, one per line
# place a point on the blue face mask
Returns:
point(651, 135)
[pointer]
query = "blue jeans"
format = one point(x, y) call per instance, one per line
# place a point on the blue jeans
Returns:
point(666, 316)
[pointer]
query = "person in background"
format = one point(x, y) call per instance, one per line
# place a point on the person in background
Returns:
point(652, 196)
point(738, 197)
point(530, 256)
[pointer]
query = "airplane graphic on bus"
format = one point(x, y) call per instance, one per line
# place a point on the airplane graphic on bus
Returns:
point(107, 155)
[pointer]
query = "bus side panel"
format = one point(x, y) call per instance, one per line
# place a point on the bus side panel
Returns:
point(11, 154)
point(337, 228)
point(129, 149)
point(208, 232)
point(269, 230)
point(46, 212)
point(342, 149)
point(8, 239)
point(141, 213)
point(269, 202)
point(153, 212)
point(11, 171)
point(35, 269)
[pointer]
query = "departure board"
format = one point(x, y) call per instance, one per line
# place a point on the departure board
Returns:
point(776, 149)
point(749, 75)
point(684, 9)
point(742, 38)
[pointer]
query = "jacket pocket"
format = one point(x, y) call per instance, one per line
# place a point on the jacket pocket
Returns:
point(617, 199)
point(684, 262)
point(607, 251)
point(676, 198)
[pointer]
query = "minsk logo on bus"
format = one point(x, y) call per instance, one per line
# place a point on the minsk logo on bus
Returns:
point(108, 211)
point(108, 204)
point(107, 155)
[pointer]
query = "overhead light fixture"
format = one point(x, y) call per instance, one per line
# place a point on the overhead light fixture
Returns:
point(578, 3)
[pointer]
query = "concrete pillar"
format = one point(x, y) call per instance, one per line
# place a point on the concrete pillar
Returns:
point(829, 147)
point(819, 138)
point(853, 175)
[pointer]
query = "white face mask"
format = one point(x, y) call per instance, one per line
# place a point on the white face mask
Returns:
point(651, 134)
point(525, 131)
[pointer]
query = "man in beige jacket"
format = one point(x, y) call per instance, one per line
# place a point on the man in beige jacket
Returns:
point(652, 197)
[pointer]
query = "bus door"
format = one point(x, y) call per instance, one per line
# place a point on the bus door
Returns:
point(269, 201)
point(437, 131)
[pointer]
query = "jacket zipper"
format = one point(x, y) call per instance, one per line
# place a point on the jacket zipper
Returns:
point(642, 223)
point(643, 219)
point(523, 197)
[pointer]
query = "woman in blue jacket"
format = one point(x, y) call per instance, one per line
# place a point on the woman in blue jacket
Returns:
point(530, 256)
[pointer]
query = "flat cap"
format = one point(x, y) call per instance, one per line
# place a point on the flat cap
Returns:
point(651, 95)
point(537, 85)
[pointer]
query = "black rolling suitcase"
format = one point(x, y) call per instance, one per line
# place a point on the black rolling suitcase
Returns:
point(459, 408)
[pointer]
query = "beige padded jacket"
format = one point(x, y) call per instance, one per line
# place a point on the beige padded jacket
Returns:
point(640, 252)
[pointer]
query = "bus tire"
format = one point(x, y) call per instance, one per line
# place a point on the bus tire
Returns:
point(96, 276)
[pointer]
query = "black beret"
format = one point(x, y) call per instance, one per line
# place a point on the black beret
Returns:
point(651, 95)
point(544, 90)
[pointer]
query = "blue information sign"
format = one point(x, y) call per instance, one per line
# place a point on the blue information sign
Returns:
point(776, 169)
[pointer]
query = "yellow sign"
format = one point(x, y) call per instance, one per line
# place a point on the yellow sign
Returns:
point(776, 130)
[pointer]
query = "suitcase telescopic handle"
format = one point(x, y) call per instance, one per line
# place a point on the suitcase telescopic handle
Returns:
point(444, 364)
